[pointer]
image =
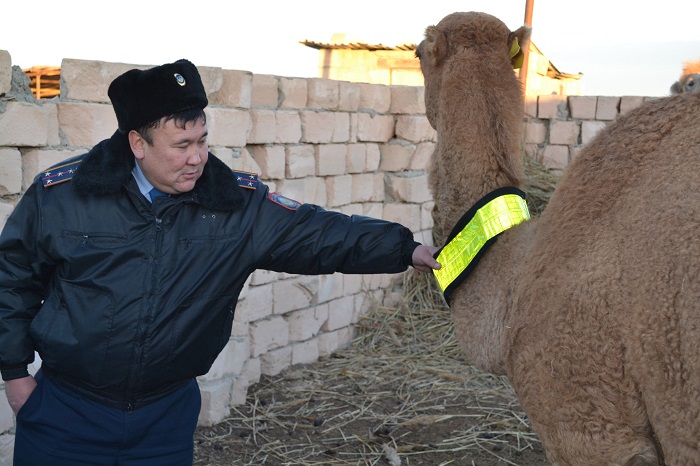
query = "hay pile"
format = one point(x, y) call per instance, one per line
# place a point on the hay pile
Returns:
point(403, 394)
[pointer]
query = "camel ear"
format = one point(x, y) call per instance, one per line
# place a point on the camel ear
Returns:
point(517, 42)
point(436, 45)
point(676, 88)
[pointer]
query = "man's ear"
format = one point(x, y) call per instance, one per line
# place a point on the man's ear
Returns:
point(137, 142)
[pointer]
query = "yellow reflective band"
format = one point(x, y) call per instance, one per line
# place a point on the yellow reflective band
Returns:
point(492, 219)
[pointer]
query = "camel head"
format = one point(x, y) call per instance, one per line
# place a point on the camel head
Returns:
point(689, 80)
point(459, 35)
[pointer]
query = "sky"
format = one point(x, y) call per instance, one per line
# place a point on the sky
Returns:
point(622, 47)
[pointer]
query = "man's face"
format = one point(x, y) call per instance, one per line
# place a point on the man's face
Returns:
point(174, 161)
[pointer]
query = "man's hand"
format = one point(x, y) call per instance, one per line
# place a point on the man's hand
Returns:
point(423, 259)
point(18, 391)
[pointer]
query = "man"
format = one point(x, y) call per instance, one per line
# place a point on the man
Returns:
point(122, 269)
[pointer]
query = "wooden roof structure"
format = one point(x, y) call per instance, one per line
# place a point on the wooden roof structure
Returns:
point(45, 81)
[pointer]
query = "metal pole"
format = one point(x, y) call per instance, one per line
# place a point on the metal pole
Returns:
point(529, 6)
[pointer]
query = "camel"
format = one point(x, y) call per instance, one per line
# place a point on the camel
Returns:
point(592, 309)
point(689, 80)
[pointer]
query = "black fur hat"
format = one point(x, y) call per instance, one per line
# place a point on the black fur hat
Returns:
point(140, 97)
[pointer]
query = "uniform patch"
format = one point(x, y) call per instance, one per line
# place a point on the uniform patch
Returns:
point(59, 174)
point(285, 202)
point(246, 180)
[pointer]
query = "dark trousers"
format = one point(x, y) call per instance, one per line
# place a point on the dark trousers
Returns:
point(58, 427)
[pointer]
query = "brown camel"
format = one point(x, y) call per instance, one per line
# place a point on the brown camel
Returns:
point(592, 310)
point(689, 80)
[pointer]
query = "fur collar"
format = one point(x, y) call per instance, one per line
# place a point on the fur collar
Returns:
point(107, 167)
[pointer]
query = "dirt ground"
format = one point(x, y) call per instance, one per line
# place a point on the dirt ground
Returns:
point(402, 395)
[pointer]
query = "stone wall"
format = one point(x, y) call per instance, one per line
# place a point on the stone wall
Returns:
point(352, 147)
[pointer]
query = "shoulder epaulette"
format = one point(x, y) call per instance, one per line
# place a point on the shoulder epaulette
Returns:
point(59, 173)
point(246, 180)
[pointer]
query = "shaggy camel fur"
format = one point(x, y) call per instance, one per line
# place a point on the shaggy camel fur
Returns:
point(592, 310)
point(689, 80)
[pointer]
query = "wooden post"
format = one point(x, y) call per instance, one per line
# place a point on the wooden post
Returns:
point(529, 6)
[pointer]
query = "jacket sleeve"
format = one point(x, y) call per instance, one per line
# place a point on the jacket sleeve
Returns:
point(311, 240)
point(23, 279)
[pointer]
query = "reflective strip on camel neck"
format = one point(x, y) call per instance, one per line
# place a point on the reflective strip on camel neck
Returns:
point(477, 229)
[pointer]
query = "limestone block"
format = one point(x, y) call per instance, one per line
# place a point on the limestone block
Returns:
point(275, 361)
point(7, 445)
point(287, 127)
point(367, 187)
point(628, 103)
point(260, 277)
point(373, 209)
point(408, 215)
point(338, 189)
point(531, 106)
point(317, 127)
point(89, 80)
point(293, 93)
point(352, 284)
point(348, 96)
point(374, 157)
point(341, 129)
point(407, 100)
point(10, 171)
point(414, 128)
point(269, 334)
point(252, 371)
point(300, 161)
point(563, 132)
point(375, 97)
point(86, 124)
point(396, 155)
point(330, 287)
point(426, 217)
point(583, 107)
point(239, 390)
point(356, 159)
point(25, 124)
point(331, 159)
point(589, 130)
point(374, 128)
point(271, 160)
point(330, 342)
point(305, 352)
point(5, 72)
point(236, 158)
point(236, 89)
point(535, 132)
point(322, 94)
point(216, 400)
point(294, 294)
point(228, 126)
point(552, 106)
point(353, 127)
point(7, 417)
point(607, 108)
point(556, 157)
point(264, 127)
point(351, 209)
point(212, 79)
point(257, 305)
point(230, 360)
point(339, 313)
point(306, 323)
point(265, 91)
point(421, 156)
point(409, 187)
point(532, 151)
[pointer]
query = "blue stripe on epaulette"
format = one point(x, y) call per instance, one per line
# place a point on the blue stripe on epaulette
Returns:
point(246, 180)
point(59, 174)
